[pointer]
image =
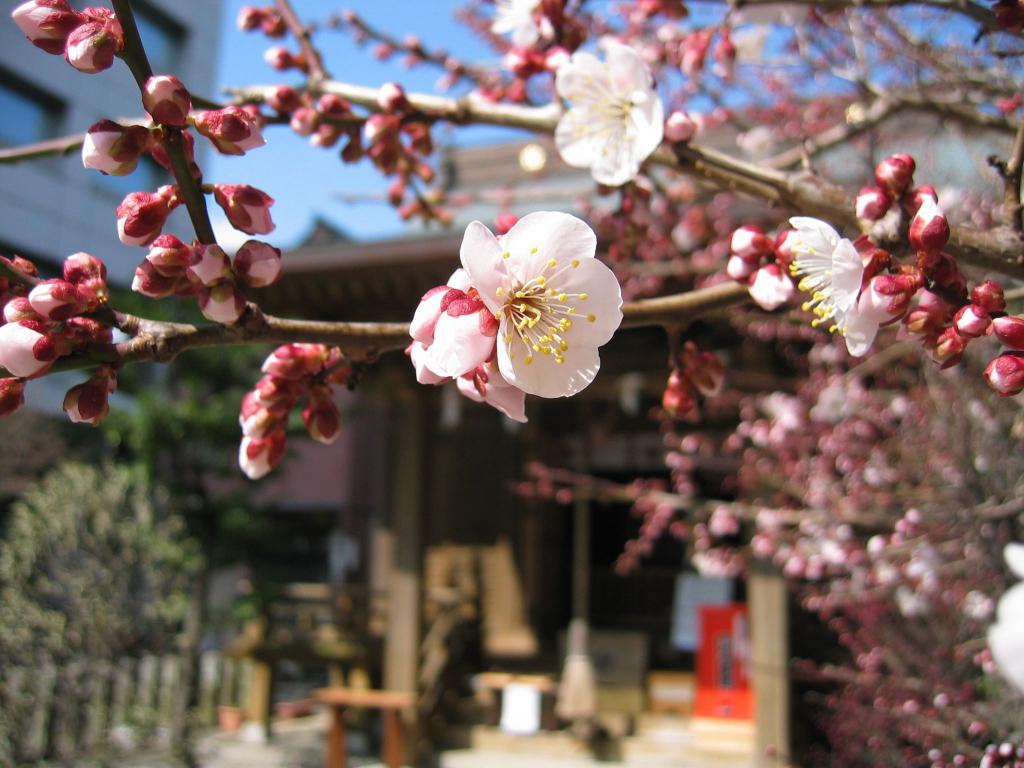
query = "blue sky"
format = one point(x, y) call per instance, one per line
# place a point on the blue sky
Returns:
point(302, 178)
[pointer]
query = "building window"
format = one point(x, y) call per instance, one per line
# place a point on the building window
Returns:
point(30, 115)
point(163, 38)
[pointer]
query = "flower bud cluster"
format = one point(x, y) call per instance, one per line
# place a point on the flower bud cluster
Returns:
point(760, 262)
point(89, 40)
point(928, 232)
point(291, 372)
point(48, 321)
point(695, 373)
point(172, 268)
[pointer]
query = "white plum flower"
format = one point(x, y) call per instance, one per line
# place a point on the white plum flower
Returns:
point(554, 302)
point(517, 17)
point(1006, 636)
point(831, 271)
point(615, 118)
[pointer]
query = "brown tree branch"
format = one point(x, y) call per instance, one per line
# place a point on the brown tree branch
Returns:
point(160, 341)
point(1000, 249)
point(314, 60)
point(1012, 207)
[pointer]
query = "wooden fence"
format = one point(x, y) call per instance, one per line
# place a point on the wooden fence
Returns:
point(88, 707)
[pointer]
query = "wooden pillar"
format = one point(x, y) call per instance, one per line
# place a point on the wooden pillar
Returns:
point(260, 703)
point(769, 625)
point(402, 644)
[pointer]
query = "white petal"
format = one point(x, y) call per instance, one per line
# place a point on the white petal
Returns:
point(460, 280)
point(421, 328)
point(847, 274)
point(508, 399)
point(467, 388)
point(1006, 641)
point(481, 257)
point(418, 356)
point(618, 161)
point(582, 78)
point(544, 377)
point(603, 302)
point(554, 235)
point(859, 330)
point(648, 126)
point(816, 232)
point(579, 137)
point(459, 345)
point(16, 344)
point(627, 71)
point(1010, 607)
point(1014, 555)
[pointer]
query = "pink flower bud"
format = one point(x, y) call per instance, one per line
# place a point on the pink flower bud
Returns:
point(272, 24)
point(283, 99)
point(247, 208)
point(88, 403)
point(895, 174)
point(169, 256)
point(989, 296)
point(681, 126)
point(257, 264)
point(304, 121)
point(505, 222)
point(280, 58)
point(56, 300)
point(46, 23)
point(85, 330)
point(912, 200)
point(326, 135)
point(929, 230)
point(12, 395)
point(150, 282)
point(322, 418)
point(208, 265)
point(232, 130)
point(971, 321)
point(91, 47)
point(26, 350)
point(749, 242)
point(1006, 373)
point(739, 269)
point(771, 288)
point(949, 348)
point(555, 57)
point(222, 303)
point(258, 455)
point(112, 148)
point(141, 215)
point(872, 203)
point(249, 18)
point(1009, 329)
point(391, 98)
point(295, 361)
point(20, 308)
point(277, 393)
point(260, 420)
point(724, 56)
point(704, 369)
point(678, 398)
point(89, 275)
point(167, 100)
point(890, 294)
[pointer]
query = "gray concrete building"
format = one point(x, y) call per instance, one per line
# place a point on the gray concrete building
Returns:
point(52, 207)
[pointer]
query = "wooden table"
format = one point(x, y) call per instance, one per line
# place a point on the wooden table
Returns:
point(390, 703)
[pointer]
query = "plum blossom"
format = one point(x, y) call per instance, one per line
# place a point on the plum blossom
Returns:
point(485, 384)
point(1006, 636)
point(615, 120)
point(831, 271)
point(555, 303)
point(517, 17)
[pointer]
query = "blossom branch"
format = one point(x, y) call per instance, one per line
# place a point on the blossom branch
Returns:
point(1011, 173)
point(998, 249)
point(314, 60)
point(134, 55)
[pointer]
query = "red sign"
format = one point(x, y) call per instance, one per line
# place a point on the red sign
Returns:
point(723, 663)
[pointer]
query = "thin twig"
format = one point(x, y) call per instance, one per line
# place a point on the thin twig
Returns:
point(1011, 179)
point(314, 60)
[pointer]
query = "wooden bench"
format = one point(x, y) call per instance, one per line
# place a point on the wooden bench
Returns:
point(390, 703)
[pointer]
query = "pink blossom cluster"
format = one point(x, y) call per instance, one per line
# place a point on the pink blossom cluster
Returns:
point(52, 319)
point(694, 373)
point(173, 268)
point(89, 40)
point(292, 372)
